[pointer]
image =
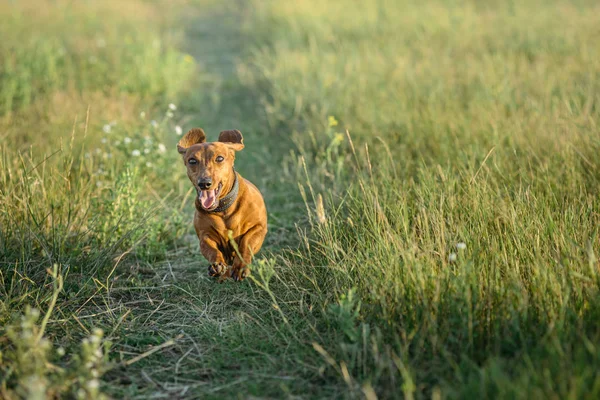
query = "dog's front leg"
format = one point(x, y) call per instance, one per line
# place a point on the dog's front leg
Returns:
point(210, 251)
point(249, 245)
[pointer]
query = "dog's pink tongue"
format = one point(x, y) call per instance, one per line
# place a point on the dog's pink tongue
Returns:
point(207, 198)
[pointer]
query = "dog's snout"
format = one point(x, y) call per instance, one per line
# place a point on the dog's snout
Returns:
point(205, 183)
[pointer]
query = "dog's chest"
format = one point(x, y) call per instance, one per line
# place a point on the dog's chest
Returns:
point(219, 227)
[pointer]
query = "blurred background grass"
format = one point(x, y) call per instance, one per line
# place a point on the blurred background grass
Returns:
point(430, 170)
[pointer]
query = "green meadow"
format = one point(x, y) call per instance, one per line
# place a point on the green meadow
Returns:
point(431, 172)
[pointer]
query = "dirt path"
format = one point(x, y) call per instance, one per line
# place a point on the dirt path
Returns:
point(232, 341)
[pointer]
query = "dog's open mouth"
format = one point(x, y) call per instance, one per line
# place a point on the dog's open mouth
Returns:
point(209, 199)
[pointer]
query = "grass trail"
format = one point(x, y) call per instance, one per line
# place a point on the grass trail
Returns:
point(231, 340)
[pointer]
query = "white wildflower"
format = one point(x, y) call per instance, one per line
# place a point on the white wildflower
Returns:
point(169, 114)
point(162, 148)
point(148, 164)
point(127, 140)
point(452, 257)
point(106, 128)
point(146, 151)
point(172, 107)
point(154, 123)
point(178, 130)
point(136, 153)
point(461, 245)
point(117, 142)
point(143, 114)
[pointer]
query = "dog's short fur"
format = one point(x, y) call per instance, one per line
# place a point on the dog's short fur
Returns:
point(210, 168)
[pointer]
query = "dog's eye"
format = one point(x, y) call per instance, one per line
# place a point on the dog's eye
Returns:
point(220, 159)
point(192, 161)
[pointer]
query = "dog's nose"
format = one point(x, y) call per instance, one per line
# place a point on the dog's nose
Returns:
point(205, 183)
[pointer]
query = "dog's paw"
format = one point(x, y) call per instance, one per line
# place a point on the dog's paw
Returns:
point(240, 273)
point(217, 269)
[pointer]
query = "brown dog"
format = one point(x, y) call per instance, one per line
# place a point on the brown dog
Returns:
point(225, 202)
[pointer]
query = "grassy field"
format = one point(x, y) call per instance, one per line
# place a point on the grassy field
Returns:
point(431, 174)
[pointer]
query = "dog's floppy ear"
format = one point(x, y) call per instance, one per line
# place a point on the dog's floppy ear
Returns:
point(194, 136)
point(233, 138)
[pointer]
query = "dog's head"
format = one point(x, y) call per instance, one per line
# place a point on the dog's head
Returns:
point(210, 164)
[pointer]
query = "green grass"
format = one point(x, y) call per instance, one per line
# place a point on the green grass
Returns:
point(382, 134)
